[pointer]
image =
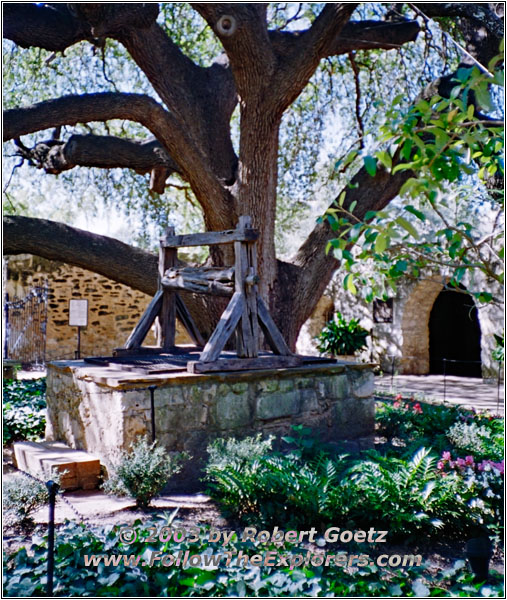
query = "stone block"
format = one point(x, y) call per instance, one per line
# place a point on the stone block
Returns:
point(364, 385)
point(277, 405)
point(232, 411)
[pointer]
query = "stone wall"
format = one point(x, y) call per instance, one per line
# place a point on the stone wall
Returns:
point(403, 344)
point(113, 308)
point(103, 411)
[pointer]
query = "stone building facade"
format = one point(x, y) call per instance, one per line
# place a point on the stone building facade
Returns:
point(113, 309)
point(404, 332)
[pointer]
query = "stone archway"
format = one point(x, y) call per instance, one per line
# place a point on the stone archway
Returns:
point(415, 350)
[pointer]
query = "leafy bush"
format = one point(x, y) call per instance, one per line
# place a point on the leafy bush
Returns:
point(478, 440)
point(292, 489)
point(407, 494)
point(223, 452)
point(25, 572)
point(498, 351)
point(342, 337)
point(417, 421)
point(22, 496)
point(24, 410)
point(143, 472)
point(482, 486)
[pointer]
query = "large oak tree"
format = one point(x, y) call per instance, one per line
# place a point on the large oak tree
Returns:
point(262, 69)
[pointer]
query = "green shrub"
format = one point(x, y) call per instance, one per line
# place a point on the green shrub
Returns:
point(476, 440)
point(223, 452)
point(417, 423)
point(25, 572)
point(24, 410)
point(410, 495)
point(498, 351)
point(143, 472)
point(22, 496)
point(294, 490)
point(342, 337)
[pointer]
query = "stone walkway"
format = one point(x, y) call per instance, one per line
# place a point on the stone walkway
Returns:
point(467, 391)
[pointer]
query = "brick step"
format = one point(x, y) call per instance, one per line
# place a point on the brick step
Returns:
point(77, 468)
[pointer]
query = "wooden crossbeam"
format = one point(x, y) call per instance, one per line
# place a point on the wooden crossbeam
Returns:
point(140, 331)
point(211, 238)
point(242, 364)
point(224, 329)
point(244, 314)
point(206, 280)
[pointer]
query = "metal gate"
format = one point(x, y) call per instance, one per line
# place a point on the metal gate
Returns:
point(25, 327)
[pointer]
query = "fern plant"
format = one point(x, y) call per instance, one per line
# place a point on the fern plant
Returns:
point(409, 495)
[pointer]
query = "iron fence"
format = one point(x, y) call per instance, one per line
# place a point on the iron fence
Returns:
point(25, 327)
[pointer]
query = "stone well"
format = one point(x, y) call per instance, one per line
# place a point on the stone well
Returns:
point(103, 409)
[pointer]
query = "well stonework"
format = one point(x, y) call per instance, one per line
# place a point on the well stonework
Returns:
point(103, 410)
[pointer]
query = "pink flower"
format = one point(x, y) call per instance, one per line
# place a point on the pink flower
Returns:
point(417, 408)
point(440, 465)
point(396, 404)
point(446, 456)
point(398, 397)
point(469, 460)
point(451, 464)
point(460, 462)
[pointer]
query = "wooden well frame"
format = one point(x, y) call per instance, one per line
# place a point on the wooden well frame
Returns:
point(245, 315)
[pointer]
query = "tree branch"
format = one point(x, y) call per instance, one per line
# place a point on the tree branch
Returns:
point(205, 115)
point(480, 13)
point(70, 110)
point(317, 267)
point(247, 42)
point(373, 35)
point(102, 151)
point(303, 57)
point(109, 257)
point(49, 26)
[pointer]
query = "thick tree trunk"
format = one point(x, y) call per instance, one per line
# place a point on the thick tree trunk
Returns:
point(257, 183)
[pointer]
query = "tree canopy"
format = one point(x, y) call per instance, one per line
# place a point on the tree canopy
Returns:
point(215, 101)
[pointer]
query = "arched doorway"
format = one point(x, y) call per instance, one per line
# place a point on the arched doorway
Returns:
point(455, 335)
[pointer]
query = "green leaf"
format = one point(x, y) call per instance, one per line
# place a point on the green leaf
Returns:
point(381, 243)
point(348, 284)
point(385, 158)
point(408, 227)
point(370, 164)
point(411, 209)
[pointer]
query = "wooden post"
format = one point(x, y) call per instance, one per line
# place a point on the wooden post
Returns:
point(167, 316)
point(247, 337)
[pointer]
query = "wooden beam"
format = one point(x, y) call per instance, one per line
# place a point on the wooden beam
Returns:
point(167, 316)
point(140, 331)
point(224, 329)
point(271, 332)
point(211, 238)
point(247, 332)
point(188, 322)
point(244, 364)
point(221, 274)
point(197, 285)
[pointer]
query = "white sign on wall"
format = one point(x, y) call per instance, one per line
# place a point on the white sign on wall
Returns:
point(78, 313)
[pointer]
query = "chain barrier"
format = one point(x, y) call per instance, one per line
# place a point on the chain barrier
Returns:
point(54, 494)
